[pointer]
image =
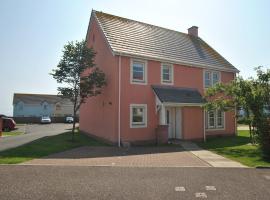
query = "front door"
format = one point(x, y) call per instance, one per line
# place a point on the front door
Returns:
point(173, 119)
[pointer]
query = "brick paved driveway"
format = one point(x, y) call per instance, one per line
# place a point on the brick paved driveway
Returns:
point(133, 157)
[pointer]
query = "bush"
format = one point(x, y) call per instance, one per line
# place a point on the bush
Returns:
point(243, 120)
point(263, 129)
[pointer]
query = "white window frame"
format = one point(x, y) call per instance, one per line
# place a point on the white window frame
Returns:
point(216, 126)
point(218, 73)
point(222, 119)
point(136, 81)
point(171, 75)
point(211, 78)
point(208, 120)
point(138, 125)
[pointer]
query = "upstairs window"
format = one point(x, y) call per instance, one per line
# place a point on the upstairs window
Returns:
point(207, 79)
point(138, 72)
point(215, 76)
point(211, 78)
point(166, 74)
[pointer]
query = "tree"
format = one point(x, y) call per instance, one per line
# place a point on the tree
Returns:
point(253, 96)
point(81, 78)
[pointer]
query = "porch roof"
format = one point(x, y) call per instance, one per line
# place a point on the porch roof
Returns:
point(170, 94)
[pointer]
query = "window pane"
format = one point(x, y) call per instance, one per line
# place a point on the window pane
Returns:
point(137, 115)
point(215, 77)
point(138, 75)
point(138, 71)
point(220, 118)
point(211, 119)
point(166, 70)
point(207, 79)
point(167, 73)
point(166, 77)
point(168, 117)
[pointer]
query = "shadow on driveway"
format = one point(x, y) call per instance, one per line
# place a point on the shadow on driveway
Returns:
point(161, 156)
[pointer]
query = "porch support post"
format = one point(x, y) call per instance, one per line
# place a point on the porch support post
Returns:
point(162, 113)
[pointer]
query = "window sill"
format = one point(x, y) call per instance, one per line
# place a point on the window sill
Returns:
point(138, 82)
point(215, 129)
point(138, 126)
point(166, 83)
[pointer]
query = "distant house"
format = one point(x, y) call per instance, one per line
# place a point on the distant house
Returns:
point(37, 105)
point(156, 81)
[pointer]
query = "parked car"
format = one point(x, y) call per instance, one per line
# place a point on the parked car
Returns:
point(45, 120)
point(8, 124)
point(69, 119)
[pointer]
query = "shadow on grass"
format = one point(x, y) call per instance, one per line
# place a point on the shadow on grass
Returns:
point(46, 146)
point(237, 148)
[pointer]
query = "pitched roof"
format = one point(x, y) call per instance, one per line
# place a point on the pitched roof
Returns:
point(169, 94)
point(133, 38)
point(39, 98)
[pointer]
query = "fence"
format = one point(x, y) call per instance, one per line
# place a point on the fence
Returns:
point(25, 120)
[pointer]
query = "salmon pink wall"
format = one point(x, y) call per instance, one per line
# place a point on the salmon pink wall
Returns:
point(192, 120)
point(98, 116)
point(138, 94)
point(184, 76)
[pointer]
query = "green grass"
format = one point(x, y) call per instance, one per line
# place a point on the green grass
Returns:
point(12, 133)
point(237, 148)
point(46, 146)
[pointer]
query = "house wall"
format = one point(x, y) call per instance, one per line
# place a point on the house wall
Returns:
point(36, 110)
point(192, 117)
point(192, 120)
point(32, 110)
point(98, 116)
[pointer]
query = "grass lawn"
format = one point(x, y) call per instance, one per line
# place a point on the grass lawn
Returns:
point(45, 146)
point(237, 148)
point(11, 133)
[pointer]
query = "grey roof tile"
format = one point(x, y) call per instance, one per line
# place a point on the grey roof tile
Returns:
point(137, 38)
point(170, 94)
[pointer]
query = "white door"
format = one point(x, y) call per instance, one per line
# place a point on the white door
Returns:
point(170, 120)
point(178, 126)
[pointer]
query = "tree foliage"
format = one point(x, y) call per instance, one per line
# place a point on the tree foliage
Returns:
point(252, 95)
point(79, 75)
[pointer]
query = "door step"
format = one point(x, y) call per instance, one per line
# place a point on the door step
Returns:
point(175, 141)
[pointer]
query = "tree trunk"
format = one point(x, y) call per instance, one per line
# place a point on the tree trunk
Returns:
point(250, 134)
point(74, 121)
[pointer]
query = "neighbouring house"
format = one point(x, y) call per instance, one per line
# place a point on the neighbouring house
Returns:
point(156, 81)
point(37, 105)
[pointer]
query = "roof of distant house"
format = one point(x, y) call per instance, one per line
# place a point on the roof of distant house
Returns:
point(39, 98)
point(132, 38)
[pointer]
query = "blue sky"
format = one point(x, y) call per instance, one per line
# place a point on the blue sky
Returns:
point(34, 32)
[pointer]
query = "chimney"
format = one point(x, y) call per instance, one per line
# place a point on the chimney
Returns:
point(193, 31)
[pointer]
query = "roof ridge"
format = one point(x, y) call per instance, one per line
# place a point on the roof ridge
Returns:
point(132, 20)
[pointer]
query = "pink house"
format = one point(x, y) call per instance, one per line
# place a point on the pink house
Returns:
point(156, 79)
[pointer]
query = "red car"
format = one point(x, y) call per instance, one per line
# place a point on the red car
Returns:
point(8, 124)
